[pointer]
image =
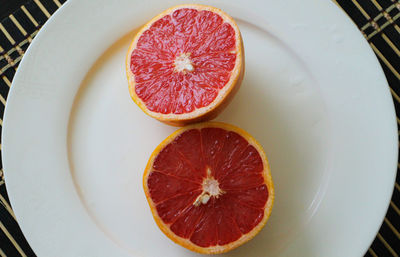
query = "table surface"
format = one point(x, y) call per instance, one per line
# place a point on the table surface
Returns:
point(378, 21)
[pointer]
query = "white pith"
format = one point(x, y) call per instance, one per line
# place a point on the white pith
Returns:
point(183, 63)
point(210, 189)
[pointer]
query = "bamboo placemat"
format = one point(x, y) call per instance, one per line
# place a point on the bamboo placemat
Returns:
point(378, 21)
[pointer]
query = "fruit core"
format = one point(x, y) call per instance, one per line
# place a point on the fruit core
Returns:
point(210, 189)
point(183, 63)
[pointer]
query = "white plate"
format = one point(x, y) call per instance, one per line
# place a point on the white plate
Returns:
point(75, 145)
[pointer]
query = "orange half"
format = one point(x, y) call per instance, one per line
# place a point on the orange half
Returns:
point(185, 64)
point(209, 187)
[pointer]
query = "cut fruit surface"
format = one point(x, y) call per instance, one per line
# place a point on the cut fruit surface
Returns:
point(186, 64)
point(209, 187)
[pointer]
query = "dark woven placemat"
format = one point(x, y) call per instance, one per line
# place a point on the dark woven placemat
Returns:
point(378, 20)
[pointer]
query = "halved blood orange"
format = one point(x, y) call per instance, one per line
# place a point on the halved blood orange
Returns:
point(185, 65)
point(209, 187)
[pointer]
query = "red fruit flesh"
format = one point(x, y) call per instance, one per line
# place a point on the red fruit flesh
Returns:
point(200, 38)
point(179, 176)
